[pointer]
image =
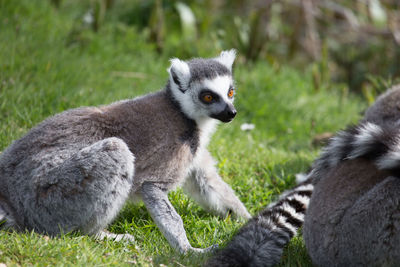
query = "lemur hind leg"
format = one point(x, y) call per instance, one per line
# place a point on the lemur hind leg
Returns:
point(208, 189)
point(86, 191)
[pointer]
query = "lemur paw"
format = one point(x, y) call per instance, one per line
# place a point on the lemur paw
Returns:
point(116, 237)
point(212, 248)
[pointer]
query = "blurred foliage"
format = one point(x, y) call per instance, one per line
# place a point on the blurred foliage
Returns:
point(345, 41)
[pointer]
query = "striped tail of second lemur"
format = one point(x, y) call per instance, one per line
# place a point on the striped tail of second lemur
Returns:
point(261, 241)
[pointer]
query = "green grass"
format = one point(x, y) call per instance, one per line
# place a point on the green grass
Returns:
point(50, 62)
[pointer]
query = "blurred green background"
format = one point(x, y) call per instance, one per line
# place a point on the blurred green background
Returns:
point(351, 42)
point(305, 69)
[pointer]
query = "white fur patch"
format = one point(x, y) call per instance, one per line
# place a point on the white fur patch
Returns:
point(302, 199)
point(220, 85)
point(185, 100)
point(364, 138)
point(102, 235)
point(301, 177)
point(306, 187)
point(286, 207)
point(334, 150)
point(206, 128)
point(227, 58)
point(274, 227)
point(282, 221)
point(181, 69)
point(390, 160)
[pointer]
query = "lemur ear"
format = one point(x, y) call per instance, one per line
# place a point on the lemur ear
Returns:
point(227, 58)
point(179, 73)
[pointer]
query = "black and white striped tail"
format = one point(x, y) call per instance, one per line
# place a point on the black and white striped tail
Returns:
point(261, 241)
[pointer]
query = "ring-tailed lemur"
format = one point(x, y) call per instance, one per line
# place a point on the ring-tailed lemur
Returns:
point(368, 157)
point(75, 170)
point(354, 214)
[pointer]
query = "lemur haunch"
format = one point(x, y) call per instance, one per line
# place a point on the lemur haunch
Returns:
point(353, 216)
point(75, 170)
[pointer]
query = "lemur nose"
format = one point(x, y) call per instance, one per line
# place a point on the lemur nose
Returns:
point(232, 113)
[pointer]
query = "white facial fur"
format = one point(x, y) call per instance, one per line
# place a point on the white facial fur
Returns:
point(227, 58)
point(190, 102)
point(220, 85)
point(182, 71)
point(188, 98)
point(200, 112)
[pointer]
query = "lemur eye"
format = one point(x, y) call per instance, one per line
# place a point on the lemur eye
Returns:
point(231, 93)
point(207, 98)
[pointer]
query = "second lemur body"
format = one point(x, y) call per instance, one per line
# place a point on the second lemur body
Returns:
point(75, 170)
point(353, 216)
point(355, 161)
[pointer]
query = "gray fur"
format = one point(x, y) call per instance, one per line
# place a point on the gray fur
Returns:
point(75, 170)
point(353, 217)
point(214, 69)
point(254, 245)
point(386, 110)
point(165, 216)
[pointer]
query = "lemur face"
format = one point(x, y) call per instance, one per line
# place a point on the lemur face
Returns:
point(216, 96)
point(204, 88)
